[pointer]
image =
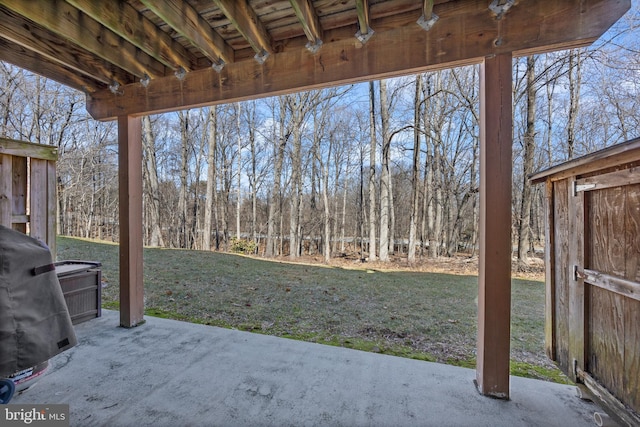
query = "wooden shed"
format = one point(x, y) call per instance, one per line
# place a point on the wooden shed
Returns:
point(28, 189)
point(593, 273)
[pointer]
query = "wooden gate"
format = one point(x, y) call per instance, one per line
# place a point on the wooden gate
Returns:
point(593, 274)
point(28, 189)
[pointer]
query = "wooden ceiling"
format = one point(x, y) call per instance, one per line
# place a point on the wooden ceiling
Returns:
point(135, 57)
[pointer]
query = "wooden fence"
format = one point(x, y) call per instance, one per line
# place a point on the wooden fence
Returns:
point(593, 274)
point(28, 189)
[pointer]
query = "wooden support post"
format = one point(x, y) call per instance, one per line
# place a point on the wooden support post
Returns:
point(577, 318)
point(130, 182)
point(550, 273)
point(494, 290)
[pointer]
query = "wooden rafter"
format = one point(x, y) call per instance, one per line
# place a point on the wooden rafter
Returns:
point(29, 60)
point(428, 18)
point(427, 9)
point(362, 8)
point(185, 20)
point(128, 23)
point(55, 50)
point(69, 23)
point(309, 20)
point(244, 19)
point(344, 62)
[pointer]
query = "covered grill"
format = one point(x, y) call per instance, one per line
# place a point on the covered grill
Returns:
point(34, 321)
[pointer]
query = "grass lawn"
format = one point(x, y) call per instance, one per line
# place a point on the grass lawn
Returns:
point(429, 316)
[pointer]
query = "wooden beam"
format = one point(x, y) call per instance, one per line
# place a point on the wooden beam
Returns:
point(614, 155)
point(576, 291)
point(494, 290)
point(124, 20)
point(130, 190)
point(6, 190)
point(619, 178)
point(185, 20)
point(69, 23)
point(244, 18)
point(463, 36)
point(550, 273)
point(51, 48)
point(28, 149)
point(38, 192)
point(619, 285)
point(38, 64)
point(52, 208)
point(308, 18)
point(622, 414)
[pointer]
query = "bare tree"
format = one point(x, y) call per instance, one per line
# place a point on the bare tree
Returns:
point(239, 175)
point(373, 146)
point(433, 189)
point(415, 172)
point(152, 186)
point(182, 240)
point(575, 77)
point(385, 178)
point(524, 229)
point(210, 202)
point(299, 105)
point(281, 136)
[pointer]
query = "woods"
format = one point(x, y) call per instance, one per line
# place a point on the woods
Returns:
point(370, 171)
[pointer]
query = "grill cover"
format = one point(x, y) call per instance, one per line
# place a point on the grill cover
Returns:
point(34, 320)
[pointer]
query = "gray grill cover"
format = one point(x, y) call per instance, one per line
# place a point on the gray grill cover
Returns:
point(34, 320)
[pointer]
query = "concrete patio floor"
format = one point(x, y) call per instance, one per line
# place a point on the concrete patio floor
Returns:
point(170, 373)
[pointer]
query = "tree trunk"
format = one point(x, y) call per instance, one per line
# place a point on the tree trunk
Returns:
point(327, 225)
point(524, 229)
point(415, 173)
point(184, 170)
point(239, 201)
point(432, 191)
point(575, 78)
point(343, 222)
point(372, 173)
point(295, 103)
point(385, 179)
point(211, 177)
point(275, 211)
point(253, 178)
point(152, 184)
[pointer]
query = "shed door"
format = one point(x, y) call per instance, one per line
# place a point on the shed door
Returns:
point(610, 281)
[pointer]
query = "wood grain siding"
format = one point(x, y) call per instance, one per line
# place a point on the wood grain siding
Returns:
point(593, 283)
point(613, 326)
point(550, 267)
point(632, 309)
point(576, 293)
point(28, 189)
point(19, 194)
point(5, 189)
point(561, 273)
point(631, 385)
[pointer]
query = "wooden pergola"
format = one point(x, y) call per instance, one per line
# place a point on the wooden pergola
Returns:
point(137, 57)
